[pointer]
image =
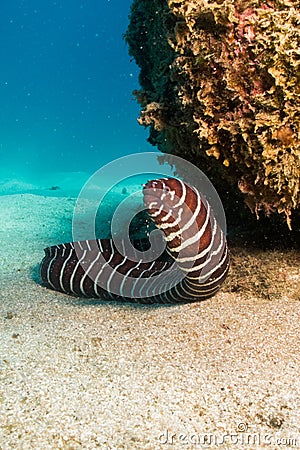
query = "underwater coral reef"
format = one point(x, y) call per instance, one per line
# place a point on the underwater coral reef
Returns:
point(220, 86)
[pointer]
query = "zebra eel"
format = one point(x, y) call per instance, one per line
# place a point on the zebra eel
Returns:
point(192, 267)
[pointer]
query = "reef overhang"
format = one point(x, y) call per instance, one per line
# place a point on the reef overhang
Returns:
point(220, 86)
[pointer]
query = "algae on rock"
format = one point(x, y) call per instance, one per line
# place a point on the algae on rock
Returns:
point(220, 86)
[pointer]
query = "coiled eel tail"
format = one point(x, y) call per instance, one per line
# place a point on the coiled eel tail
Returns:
point(196, 249)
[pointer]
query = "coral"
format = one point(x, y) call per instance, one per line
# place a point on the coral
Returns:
point(220, 86)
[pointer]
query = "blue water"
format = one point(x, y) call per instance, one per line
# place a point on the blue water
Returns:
point(67, 108)
point(66, 87)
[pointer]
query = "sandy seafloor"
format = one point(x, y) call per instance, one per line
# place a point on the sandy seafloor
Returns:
point(81, 374)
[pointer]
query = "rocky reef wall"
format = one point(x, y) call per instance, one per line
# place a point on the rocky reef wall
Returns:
point(220, 86)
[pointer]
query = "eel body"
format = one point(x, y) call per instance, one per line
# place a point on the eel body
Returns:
point(192, 267)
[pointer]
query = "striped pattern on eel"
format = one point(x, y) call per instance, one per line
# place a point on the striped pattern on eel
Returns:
point(193, 266)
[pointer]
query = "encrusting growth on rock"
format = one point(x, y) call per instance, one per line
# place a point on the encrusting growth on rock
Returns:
point(220, 86)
